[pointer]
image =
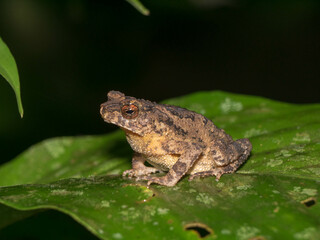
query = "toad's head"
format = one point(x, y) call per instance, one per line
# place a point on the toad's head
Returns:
point(129, 113)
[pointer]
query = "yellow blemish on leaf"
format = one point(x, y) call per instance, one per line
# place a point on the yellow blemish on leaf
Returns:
point(117, 236)
point(66, 192)
point(308, 233)
point(274, 163)
point(163, 211)
point(309, 191)
point(230, 106)
point(246, 232)
point(105, 204)
point(55, 148)
point(244, 187)
point(254, 132)
point(206, 199)
point(302, 137)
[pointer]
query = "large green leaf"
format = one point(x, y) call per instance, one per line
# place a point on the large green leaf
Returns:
point(65, 157)
point(8, 69)
point(272, 196)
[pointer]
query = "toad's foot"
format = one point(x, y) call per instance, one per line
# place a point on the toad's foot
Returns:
point(165, 181)
point(139, 172)
point(217, 172)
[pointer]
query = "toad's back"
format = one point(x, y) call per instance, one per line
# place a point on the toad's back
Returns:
point(187, 125)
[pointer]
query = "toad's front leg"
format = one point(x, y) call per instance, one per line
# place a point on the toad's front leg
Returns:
point(138, 167)
point(184, 163)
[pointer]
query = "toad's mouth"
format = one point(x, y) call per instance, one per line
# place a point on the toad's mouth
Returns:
point(130, 133)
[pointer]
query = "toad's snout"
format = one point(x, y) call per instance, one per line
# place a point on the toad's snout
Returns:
point(103, 109)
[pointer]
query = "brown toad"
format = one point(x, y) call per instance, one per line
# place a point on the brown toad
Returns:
point(172, 139)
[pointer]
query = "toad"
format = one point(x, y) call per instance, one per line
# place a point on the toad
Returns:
point(172, 139)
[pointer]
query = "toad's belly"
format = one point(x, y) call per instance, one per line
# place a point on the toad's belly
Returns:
point(166, 162)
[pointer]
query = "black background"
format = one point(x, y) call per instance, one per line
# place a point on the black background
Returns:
point(71, 53)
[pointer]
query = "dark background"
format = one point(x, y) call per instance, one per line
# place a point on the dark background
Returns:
point(70, 53)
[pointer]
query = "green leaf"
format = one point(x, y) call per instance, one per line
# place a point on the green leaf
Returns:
point(139, 6)
point(8, 69)
point(272, 196)
point(67, 157)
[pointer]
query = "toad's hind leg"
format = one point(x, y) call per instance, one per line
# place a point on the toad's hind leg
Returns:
point(243, 147)
point(237, 151)
point(138, 167)
point(180, 168)
point(218, 171)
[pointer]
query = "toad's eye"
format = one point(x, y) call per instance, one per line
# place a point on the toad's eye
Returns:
point(130, 111)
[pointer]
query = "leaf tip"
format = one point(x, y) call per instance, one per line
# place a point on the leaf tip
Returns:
point(139, 6)
point(145, 12)
point(20, 107)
